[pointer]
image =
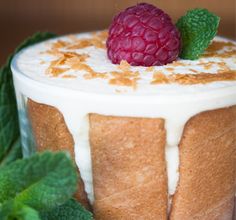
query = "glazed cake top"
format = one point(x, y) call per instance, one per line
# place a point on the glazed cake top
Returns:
point(80, 62)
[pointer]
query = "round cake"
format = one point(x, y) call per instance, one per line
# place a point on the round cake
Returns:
point(150, 142)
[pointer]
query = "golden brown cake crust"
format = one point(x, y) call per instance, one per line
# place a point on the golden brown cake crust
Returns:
point(51, 133)
point(129, 169)
point(234, 214)
point(138, 187)
point(207, 167)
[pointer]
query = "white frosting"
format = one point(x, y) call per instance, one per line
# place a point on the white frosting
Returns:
point(76, 98)
point(30, 63)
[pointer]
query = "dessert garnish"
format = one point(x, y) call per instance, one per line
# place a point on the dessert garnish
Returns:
point(198, 27)
point(191, 79)
point(36, 188)
point(143, 35)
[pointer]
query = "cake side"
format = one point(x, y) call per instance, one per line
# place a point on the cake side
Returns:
point(207, 151)
point(51, 133)
point(210, 159)
point(129, 168)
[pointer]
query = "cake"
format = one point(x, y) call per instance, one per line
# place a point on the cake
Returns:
point(155, 142)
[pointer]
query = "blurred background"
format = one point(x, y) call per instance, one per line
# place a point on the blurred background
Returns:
point(21, 18)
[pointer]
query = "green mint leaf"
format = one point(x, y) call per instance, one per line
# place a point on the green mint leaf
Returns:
point(9, 130)
point(41, 181)
point(198, 27)
point(12, 210)
point(71, 210)
point(13, 154)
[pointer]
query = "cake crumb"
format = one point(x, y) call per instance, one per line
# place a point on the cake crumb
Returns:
point(216, 46)
point(125, 78)
point(170, 69)
point(176, 63)
point(93, 75)
point(222, 67)
point(190, 79)
point(124, 65)
point(216, 49)
point(208, 66)
point(69, 76)
point(102, 35)
point(159, 78)
point(59, 44)
point(124, 82)
point(150, 68)
point(194, 71)
point(55, 71)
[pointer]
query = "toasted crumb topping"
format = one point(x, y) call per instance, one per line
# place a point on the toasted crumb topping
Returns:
point(175, 64)
point(214, 50)
point(160, 78)
point(150, 68)
point(170, 69)
point(125, 78)
point(189, 79)
point(68, 76)
point(68, 58)
point(124, 66)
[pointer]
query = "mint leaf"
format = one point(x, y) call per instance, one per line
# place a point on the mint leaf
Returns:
point(198, 27)
point(9, 130)
point(13, 153)
point(42, 181)
point(12, 210)
point(71, 210)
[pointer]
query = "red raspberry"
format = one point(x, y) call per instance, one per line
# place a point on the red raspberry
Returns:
point(143, 35)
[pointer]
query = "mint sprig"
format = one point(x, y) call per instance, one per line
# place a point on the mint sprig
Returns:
point(13, 153)
point(39, 188)
point(42, 181)
point(71, 210)
point(9, 130)
point(13, 210)
point(198, 27)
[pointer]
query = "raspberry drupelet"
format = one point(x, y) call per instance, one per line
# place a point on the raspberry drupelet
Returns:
point(143, 35)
